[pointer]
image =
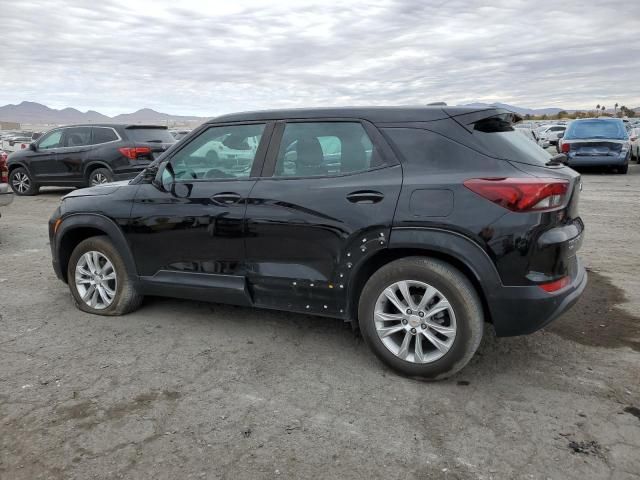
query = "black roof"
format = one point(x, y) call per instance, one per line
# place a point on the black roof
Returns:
point(112, 125)
point(372, 114)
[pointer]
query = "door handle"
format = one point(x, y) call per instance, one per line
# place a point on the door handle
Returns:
point(226, 198)
point(365, 196)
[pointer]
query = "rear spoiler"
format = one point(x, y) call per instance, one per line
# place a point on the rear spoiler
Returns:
point(494, 119)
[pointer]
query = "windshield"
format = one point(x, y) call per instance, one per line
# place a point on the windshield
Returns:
point(150, 135)
point(587, 129)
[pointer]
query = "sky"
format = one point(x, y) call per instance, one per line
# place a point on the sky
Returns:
point(206, 58)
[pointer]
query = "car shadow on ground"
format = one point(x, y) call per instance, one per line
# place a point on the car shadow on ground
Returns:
point(583, 324)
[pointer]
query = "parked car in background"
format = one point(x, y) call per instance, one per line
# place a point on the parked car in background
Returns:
point(83, 155)
point(550, 133)
point(532, 135)
point(634, 139)
point(416, 224)
point(601, 142)
point(13, 143)
point(6, 195)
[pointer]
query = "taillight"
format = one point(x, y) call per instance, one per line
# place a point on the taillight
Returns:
point(4, 173)
point(521, 194)
point(555, 285)
point(132, 153)
point(565, 148)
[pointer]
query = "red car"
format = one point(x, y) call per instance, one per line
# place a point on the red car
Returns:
point(6, 194)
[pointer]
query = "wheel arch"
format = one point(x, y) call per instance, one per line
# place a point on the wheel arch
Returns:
point(78, 227)
point(453, 248)
point(13, 165)
point(94, 165)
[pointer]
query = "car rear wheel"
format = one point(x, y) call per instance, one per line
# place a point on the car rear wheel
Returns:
point(22, 183)
point(422, 317)
point(100, 176)
point(624, 169)
point(98, 279)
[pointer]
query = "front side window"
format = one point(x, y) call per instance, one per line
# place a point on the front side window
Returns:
point(76, 137)
point(218, 153)
point(51, 140)
point(325, 148)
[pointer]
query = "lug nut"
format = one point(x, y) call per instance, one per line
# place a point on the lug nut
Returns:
point(404, 321)
point(421, 314)
point(413, 330)
point(423, 326)
point(409, 312)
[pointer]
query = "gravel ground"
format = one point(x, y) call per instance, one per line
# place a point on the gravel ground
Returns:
point(190, 390)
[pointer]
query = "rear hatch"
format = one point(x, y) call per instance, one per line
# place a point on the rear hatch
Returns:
point(595, 148)
point(557, 233)
point(150, 141)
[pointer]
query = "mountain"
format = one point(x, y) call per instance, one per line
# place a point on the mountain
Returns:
point(38, 114)
point(518, 110)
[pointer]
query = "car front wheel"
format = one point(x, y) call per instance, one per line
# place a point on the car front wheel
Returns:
point(22, 183)
point(422, 317)
point(98, 279)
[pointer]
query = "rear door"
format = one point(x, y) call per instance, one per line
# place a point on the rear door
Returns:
point(68, 167)
point(324, 203)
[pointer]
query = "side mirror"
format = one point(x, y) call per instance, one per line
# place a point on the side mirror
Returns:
point(560, 135)
point(33, 147)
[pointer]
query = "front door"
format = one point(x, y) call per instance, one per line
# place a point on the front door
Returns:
point(190, 231)
point(324, 204)
point(43, 160)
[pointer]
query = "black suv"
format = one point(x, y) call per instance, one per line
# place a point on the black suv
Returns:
point(82, 155)
point(415, 224)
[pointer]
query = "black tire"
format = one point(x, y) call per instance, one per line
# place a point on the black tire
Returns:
point(99, 176)
point(454, 286)
point(19, 178)
point(126, 298)
point(623, 170)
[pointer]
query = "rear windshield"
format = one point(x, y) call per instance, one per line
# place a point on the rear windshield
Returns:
point(497, 138)
point(150, 135)
point(586, 129)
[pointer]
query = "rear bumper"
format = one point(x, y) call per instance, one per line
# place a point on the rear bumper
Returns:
point(523, 310)
point(586, 161)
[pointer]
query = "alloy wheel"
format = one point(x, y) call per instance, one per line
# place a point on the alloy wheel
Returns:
point(415, 321)
point(21, 182)
point(98, 179)
point(96, 280)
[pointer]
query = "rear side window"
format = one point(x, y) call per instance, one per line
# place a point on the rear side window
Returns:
point(595, 128)
point(324, 149)
point(150, 135)
point(103, 135)
point(76, 137)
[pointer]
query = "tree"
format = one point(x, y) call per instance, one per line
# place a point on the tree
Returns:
point(615, 108)
point(562, 114)
point(597, 109)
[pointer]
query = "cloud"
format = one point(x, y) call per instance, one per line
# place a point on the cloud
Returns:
point(207, 58)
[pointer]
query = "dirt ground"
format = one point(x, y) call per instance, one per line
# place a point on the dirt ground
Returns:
point(191, 390)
